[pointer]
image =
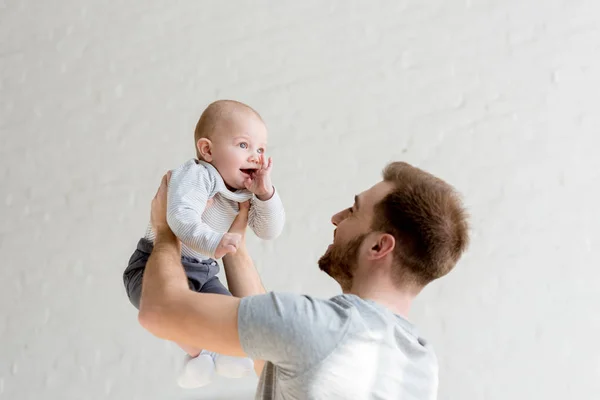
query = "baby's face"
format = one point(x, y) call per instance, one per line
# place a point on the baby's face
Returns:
point(237, 147)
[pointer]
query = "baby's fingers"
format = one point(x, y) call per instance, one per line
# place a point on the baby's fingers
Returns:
point(262, 162)
point(269, 165)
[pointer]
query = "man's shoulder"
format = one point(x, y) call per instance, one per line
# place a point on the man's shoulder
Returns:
point(341, 301)
point(289, 298)
point(345, 312)
point(299, 308)
point(342, 304)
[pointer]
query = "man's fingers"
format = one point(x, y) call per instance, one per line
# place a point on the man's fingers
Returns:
point(166, 179)
point(164, 183)
point(245, 206)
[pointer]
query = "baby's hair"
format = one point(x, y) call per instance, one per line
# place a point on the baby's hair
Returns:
point(215, 112)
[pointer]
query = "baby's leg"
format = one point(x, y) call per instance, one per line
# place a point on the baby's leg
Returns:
point(134, 275)
point(199, 366)
point(199, 273)
point(215, 286)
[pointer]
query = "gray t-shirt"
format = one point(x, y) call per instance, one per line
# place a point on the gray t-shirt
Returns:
point(342, 348)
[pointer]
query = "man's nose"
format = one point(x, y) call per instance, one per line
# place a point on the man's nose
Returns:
point(339, 217)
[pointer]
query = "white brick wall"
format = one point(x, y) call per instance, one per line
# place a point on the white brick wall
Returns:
point(498, 97)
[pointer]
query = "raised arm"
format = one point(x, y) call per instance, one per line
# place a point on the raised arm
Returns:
point(242, 277)
point(274, 327)
point(169, 310)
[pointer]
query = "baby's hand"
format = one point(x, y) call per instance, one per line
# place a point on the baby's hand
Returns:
point(260, 181)
point(228, 244)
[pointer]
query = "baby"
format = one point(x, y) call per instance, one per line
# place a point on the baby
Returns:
point(203, 200)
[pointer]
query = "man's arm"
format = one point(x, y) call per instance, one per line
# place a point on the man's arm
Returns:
point(242, 277)
point(169, 310)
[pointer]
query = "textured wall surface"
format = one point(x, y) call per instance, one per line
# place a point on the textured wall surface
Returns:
point(98, 99)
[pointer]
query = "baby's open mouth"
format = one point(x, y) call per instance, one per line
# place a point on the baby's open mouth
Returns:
point(247, 171)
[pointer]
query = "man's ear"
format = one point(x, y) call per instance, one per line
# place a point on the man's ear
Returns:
point(382, 245)
point(204, 147)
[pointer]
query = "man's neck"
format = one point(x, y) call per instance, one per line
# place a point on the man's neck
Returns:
point(397, 300)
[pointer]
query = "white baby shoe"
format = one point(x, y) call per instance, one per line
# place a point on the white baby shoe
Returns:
point(197, 371)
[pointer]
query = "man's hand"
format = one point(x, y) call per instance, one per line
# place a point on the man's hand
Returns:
point(260, 181)
point(158, 213)
point(235, 237)
point(240, 223)
point(228, 244)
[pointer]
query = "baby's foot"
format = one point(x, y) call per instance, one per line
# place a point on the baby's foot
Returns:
point(197, 371)
point(233, 367)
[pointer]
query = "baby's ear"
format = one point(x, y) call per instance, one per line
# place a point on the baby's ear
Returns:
point(204, 147)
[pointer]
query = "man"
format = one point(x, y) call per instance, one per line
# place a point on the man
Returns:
point(399, 235)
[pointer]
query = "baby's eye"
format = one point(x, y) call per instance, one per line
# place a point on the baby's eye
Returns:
point(244, 145)
point(261, 151)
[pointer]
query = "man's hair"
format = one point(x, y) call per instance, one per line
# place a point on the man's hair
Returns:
point(215, 112)
point(427, 220)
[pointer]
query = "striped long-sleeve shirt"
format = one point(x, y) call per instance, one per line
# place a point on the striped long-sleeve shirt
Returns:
point(200, 209)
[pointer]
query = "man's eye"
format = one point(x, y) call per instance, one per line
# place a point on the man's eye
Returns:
point(244, 145)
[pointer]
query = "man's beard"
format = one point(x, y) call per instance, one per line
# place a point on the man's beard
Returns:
point(340, 261)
